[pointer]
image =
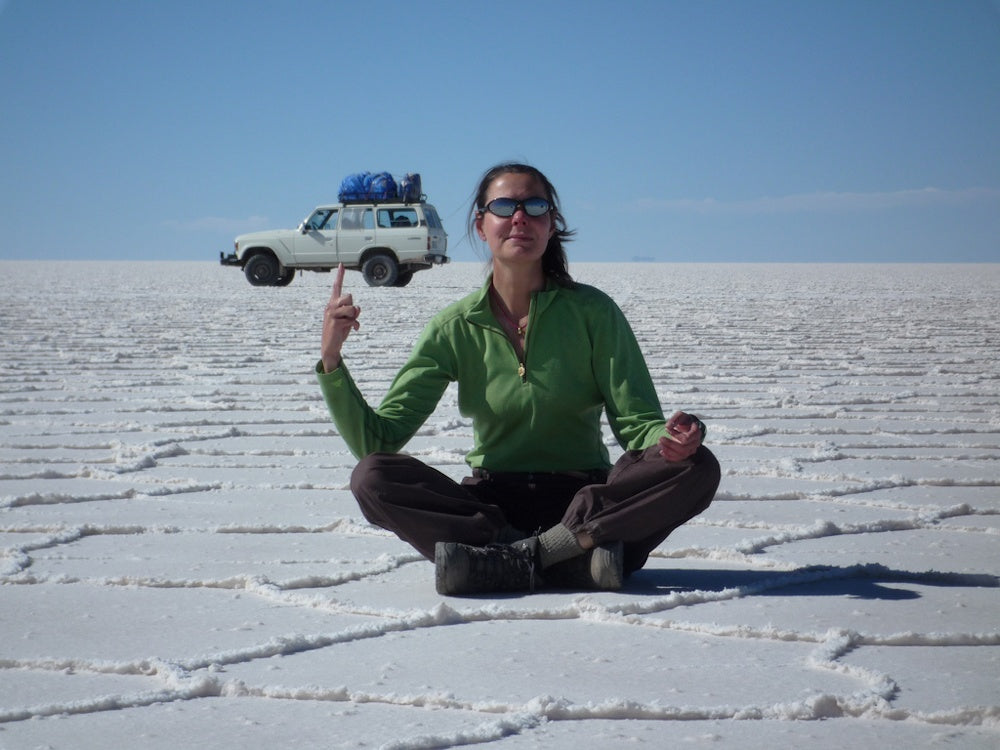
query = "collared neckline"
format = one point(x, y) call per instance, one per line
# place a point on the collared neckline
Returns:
point(481, 311)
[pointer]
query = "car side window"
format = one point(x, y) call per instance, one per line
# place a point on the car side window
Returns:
point(397, 217)
point(432, 219)
point(357, 217)
point(320, 218)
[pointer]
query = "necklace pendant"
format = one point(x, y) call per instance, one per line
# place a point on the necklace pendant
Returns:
point(520, 330)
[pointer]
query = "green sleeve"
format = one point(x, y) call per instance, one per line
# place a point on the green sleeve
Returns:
point(630, 401)
point(411, 398)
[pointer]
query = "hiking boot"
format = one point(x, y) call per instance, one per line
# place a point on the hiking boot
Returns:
point(599, 569)
point(464, 569)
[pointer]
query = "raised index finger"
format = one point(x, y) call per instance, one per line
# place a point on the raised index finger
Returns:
point(338, 282)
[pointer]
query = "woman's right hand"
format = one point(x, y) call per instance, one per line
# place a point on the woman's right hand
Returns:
point(339, 319)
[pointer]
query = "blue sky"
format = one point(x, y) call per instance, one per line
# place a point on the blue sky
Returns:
point(743, 130)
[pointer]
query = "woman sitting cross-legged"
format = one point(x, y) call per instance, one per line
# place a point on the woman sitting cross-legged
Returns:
point(537, 358)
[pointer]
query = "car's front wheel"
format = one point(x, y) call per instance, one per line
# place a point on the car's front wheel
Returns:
point(262, 270)
point(380, 270)
point(285, 279)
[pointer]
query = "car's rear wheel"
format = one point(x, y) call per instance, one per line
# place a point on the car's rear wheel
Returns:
point(262, 270)
point(380, 270)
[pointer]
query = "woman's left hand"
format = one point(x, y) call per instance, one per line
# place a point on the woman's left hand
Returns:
point(684, 437)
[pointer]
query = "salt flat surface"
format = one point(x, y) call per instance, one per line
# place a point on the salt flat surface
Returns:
point(182, 563)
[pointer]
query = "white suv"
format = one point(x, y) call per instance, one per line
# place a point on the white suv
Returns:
point(387, 241)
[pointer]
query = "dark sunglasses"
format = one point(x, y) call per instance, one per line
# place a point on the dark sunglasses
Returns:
point(507, 207)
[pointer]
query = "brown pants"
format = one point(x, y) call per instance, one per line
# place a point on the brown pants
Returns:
point(640, 502)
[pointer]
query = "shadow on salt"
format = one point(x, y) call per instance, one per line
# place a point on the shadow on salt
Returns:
point(852, 582)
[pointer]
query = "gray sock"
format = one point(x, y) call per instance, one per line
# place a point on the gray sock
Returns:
point(558, 544)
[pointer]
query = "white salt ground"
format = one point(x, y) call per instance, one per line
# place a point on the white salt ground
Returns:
point(182, 563)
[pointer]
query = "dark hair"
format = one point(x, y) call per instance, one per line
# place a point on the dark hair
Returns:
point(554, 263)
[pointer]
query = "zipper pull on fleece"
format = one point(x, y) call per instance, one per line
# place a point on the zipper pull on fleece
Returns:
point(521, 371)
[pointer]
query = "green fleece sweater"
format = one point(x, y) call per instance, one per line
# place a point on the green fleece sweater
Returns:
point(542, 414)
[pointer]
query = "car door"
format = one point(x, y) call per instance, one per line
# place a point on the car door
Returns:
point(316, 243)
point(356, 234)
